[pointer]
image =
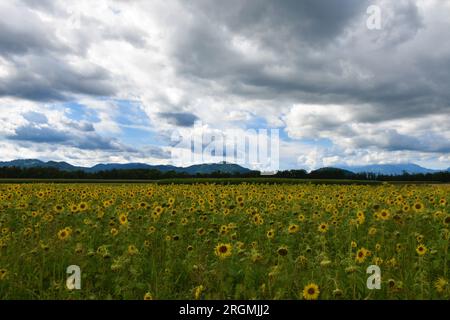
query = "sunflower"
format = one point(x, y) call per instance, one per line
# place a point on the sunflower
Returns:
point(74, 208)
point(157, 211)
point(301, 217)
point(223, 250)
point(64, 233)
point(200, 231)
point(114, 232)
point(421, 250)
point(385, 215)
point(223, 230)
point(441, 284)
point(83, 206)
point(3, 274)
point(419, 238)
point(132, 250)
point(361, 255)
point(270, 234)
point(311, 292)
point(58, 208)
point(353, 244)
point(79, 248)
point(446, 220)
point(151, 229)
point(142, 205)
point(282, 251)
point(323, 227)
point(418, 206)
point(198, 291)
point(257, 219)
point(293, 228)
point(45, 247)
point(123, 219)
point(148, 296)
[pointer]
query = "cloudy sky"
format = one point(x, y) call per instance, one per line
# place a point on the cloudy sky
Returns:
point(112, 80)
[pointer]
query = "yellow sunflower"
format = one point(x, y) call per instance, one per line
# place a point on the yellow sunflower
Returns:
point(123, 219)
point(311, 292)
point(293, 228)
point(441, 284)
point(223, 250)
point(421, 250)
point(148, 296)
point(323, 227)
point(270, 234)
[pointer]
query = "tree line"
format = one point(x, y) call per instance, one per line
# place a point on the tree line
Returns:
point(152, 174)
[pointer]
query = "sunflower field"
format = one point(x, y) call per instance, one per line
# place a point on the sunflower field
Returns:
point(210, 241)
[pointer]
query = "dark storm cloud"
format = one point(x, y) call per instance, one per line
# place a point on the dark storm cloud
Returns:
point(182, 119)
point(329, 54)
point(39, 135)
point(391, 140)
point(39, 64)
point(307, 20)
point(44, 5)
point(81, 137)
point(47, 78)
point(156, 152)
point(22, 32)
point(81, 126)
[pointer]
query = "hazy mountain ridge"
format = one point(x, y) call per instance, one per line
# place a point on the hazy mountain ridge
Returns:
point(390, 169)
point(384, 169)
point(64, 166)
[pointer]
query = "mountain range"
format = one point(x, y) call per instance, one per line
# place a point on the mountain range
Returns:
point(385, 169)
point(391, 169)
point(64, 166)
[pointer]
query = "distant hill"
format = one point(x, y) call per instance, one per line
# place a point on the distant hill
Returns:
point(331, 173)
point(64, 166)
point(390, 169)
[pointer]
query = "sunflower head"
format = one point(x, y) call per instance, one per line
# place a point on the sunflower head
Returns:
point(271, 234)
point(311, 292)
point(323, 227)
point(441, 284)
point(282, 251)
point(148, 296)
point(223, 250)
point(361, 255)
point(293, 228)
point(421, 250)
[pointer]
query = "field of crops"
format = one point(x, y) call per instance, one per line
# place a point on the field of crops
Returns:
point(206, 241)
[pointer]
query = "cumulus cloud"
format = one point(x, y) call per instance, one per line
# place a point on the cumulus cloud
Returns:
point(340, 92)
point(182, 119)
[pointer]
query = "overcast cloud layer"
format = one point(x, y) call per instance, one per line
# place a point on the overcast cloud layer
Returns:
point(110, 81)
